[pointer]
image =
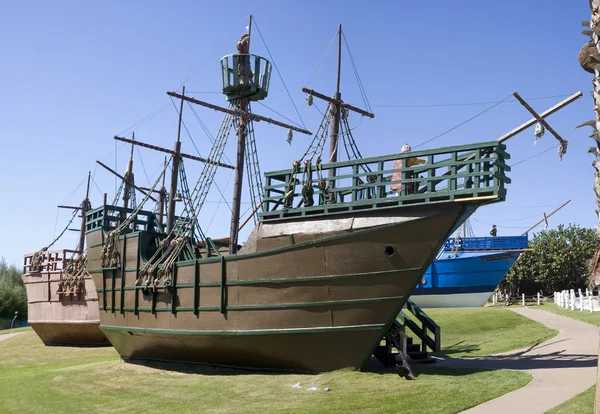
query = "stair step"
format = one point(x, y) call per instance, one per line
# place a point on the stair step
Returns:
point(413, 348)
point(418, 355)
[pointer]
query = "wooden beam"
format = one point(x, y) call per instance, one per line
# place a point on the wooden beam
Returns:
point(123, 178)
point(251, 214)
point(538, 117)
point(71, 207)
point(520, 129)
point(168, 151)
point(338, 102)
point(544, 114)
point(238, 112)
point(544, 219)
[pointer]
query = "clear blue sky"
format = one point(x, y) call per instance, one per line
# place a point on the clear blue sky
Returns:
point(74, 73)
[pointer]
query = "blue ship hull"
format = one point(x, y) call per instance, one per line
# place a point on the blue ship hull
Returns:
point(467, 274)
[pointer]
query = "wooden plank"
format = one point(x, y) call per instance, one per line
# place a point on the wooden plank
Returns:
point(239, 113)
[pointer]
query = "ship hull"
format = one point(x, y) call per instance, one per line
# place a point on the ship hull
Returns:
point(299, 296)
point(70, 333)
point(61, 319)
point(463, 281)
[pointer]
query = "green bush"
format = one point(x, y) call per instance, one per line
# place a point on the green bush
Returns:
point(12, 292)
point(559, 260)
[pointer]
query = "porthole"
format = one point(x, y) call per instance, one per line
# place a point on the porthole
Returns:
point(389, 250)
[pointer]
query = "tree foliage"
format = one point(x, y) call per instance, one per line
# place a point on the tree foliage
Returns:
point(559, 260)
point(12, 292)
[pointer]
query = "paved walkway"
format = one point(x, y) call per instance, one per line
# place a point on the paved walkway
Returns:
point(8, 336)
point(562, 367)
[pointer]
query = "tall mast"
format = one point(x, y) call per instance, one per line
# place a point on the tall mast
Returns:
point(161, 199)
point(175, 172)
point(239, 166)
point(334, 128)
point(84, 210)
point(128, 177)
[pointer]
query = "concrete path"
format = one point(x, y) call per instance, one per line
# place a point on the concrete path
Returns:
point(562, 367)
point(8, 336)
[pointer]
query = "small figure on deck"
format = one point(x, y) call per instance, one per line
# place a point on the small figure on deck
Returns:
point(397, 176)
point(243, 47)
point(493, 231)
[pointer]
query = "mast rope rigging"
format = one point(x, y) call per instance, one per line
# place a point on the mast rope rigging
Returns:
point(433, 105)
point(110, 256)
point(198, 151)
point(535, 155)
point(204, 182)
point(324, 56)
point(143, 166)
point(355, 69)
point(281, 115)
point(206, 131)
point(507, 227)
point(462, 123)
point(316, 145)
point(255, 184)
point(143, 121)
point(96, 185)
point(318, 142)
point(350, 142)
point(278, 73)
point(150, 275)
point(62, 232)
point(231, 33)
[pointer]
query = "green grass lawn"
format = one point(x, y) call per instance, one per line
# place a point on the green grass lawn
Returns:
point(581, 404)
point(593, 318)
point(43, 379)
point(484, 331)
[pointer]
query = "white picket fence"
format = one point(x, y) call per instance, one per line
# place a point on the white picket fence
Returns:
point(568, 299)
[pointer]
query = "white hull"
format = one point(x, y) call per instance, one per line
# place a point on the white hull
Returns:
point(458, 300)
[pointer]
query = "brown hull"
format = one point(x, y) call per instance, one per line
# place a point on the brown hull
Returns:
point(61, 319)
point(66, 333)
point(301, 301)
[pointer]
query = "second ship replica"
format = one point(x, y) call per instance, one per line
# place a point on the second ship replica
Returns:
point(331, 261)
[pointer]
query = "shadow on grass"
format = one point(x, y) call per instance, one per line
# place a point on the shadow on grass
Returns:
point(375, 367)
point(459, 348)
point(531, 358)
point(372, 366)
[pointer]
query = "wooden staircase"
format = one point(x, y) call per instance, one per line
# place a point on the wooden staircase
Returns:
point(397, 345)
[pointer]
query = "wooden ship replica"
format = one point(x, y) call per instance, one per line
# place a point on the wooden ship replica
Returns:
point(331, 261)
point(62, 303)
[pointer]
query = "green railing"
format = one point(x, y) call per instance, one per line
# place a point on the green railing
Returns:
point(108, 218)
point(422, 332)
point(459, 173)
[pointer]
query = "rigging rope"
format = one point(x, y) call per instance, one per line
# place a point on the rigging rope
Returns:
point(360, 84)
point(433, 105)
point(198, 151)
point(321, 61)
point(278, 73)
point(255, 185)
point(536, 155)
point(462, 123)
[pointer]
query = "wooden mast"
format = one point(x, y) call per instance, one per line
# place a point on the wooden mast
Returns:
point(84, 209)
point(334, 128)
point(175, 172)
point(128, 177)
point(161, 199)
point(242, 104)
